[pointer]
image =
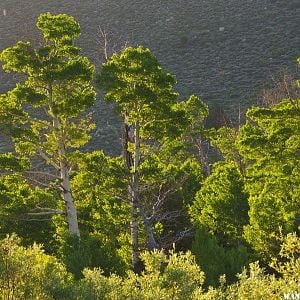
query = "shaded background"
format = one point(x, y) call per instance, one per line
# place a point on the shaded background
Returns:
point(223, 51)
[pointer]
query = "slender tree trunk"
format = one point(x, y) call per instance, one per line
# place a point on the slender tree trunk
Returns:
point(69, 201)
point(202, 146)
point(66, 185)
point(134, 225)
point(134, 186)
point(151, 239)
point(132, 164)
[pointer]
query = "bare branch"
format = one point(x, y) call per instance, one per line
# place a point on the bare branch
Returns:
point(48, 160)
point(152, 242)
point(170, 240)
point(107, 46)
point(34, 220)
point(169, 215)
point(283, 87)
point(42, 173)
point(162, 195)
point(38, 165)
point(44, 211)
point(38, 182)
point(103, 34)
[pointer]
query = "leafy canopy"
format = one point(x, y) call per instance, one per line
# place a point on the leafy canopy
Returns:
point(269, 143)
point(142, 90)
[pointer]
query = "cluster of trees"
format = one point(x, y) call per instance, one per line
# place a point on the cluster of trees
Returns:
point(229, 195)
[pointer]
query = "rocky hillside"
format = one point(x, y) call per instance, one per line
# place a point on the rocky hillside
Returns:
point(223, 51)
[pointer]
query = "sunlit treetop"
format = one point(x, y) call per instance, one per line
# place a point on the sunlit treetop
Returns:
point(62, 28)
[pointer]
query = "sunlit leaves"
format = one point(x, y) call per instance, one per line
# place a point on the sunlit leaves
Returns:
point(269, 143)
point(58, 28)
point(142, 90)
point(221, 203)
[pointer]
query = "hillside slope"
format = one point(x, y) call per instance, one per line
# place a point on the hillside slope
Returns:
point(223, 51)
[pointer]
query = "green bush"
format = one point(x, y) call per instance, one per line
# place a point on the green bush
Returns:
point(255, 284)
point(173, 276)
point(216, 260)
point(30, 273)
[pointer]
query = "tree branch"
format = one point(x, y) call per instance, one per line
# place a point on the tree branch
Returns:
point(44, 211)
point(48, 160)
point(162, 195)
point(38, 182)
point(43, 173)
point(168, 241)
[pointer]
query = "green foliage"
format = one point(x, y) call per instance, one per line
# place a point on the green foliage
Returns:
point(194, 135)
point(288, 261)
point(262, 286)
point(224, 139)
point(17, 198)
point(142, 90)
point(256, 284)
point(30, 273)
point(57, 86)
point(101, 185)
point(143, 93)
point(253, 195)
point(96, 286)
point(48, 108)
point(215, 259)
point(11, 113)
point(58, 29)
point(9, 162)
point(221, 203)
point(196, 111)
point(175, 276)
point(94, 250)
point(269, 143)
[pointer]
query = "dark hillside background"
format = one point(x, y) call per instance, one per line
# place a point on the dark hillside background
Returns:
point(224, 51)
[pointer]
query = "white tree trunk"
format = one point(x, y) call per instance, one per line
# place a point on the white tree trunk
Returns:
point(134, 185)
point(151, 239)
point(134, 227)
point(132, 161)
point(69, 202)
point(65, 184)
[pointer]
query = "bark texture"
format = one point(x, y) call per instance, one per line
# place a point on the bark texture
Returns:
point(65, 183)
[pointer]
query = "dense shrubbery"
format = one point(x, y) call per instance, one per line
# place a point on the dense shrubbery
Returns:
point(28, 273)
